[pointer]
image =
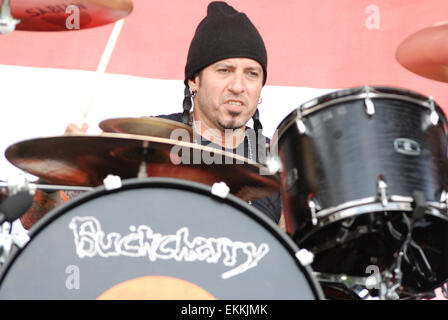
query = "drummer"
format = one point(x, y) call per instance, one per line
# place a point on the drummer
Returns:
point(224, 75)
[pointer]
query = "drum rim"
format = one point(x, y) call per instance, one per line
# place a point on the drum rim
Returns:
point(179, 184)
point(372, 204)
point(350, 94)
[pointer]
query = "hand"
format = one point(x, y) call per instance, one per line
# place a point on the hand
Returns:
point(75, 129)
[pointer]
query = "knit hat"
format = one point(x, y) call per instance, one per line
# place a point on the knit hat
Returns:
point(224, 33)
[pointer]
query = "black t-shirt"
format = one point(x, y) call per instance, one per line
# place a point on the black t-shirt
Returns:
point(270, 206)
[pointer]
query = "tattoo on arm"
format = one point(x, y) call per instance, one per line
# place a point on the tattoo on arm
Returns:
point(44, 203)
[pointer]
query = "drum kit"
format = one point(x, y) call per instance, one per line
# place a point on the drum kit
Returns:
point(362, 173)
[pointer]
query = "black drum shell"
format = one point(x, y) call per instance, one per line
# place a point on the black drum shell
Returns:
point(345, 150)
point(341, 158)
point(165, 205)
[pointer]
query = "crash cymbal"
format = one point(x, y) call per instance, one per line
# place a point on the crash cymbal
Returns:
point(146, 126)
point(85, 160)
point(52, 15)
point(426, 52)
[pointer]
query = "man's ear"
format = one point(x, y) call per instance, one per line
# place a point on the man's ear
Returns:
point(193, 83)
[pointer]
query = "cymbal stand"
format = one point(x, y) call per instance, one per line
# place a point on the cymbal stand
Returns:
point(358, 285)
point(7, 240)
point(48, 187)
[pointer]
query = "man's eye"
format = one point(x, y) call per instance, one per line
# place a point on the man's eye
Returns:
point(253, 74)
point(223, 70)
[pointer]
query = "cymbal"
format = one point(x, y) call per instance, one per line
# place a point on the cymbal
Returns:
point(52, 15)
point(85, 160)
point(146, 126)
point(426, 52)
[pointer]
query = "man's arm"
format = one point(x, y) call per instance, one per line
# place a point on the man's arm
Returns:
point(43, 203)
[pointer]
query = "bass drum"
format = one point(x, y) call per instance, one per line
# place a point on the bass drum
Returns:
point(157, 238)
point(363, 169)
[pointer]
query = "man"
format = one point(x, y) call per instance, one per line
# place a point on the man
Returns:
point(224, 75)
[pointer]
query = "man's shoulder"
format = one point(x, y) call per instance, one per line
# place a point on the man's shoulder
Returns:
point(178, 117)
point(173, 116)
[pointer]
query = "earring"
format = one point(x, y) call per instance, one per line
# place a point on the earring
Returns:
point(192, 93)
point(260, 100)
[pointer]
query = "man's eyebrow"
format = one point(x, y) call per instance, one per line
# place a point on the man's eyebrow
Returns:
point(254, 68)
point(229, 65)
point(224, 65)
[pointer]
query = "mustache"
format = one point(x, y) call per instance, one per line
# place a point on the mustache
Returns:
point(233, 97)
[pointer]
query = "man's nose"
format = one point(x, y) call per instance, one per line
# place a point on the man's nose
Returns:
point(236, 84)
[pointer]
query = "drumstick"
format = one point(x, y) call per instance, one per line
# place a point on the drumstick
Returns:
point(103, 65)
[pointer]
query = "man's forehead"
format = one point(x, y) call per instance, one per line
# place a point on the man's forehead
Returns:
point(242, 62)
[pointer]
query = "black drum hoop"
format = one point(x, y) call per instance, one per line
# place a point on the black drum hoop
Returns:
point(350, 94)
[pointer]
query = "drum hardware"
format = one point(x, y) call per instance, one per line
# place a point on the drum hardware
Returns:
point(382, 191)
point(142, 170)
point(314, 207)
point(50, 187)
point(357, 285)
point(444, 290)
point(7, 22)
point(370, 107)
point(412, 260)
point(112, 182)
point(300, 123)
point(344, 235)
point(220, 189)
point(434, 117)
point(407, 146)
point(273, 164)
point(305, 257)
point(19, 200)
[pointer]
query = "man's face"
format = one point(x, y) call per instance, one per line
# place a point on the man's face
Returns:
point(227, 93)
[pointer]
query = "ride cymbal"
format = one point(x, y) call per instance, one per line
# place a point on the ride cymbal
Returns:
point(146, 126)
point(85, 160)
point(426, 52)
point(60, 15)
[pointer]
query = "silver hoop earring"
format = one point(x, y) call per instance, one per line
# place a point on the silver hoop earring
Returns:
point(260, 100)
point(193, 93)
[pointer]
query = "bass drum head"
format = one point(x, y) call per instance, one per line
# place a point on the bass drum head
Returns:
point(157, 239)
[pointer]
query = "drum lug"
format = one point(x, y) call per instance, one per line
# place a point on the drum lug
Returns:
point(382, 191)
point(220, 189)
point(444, 198)
point(314, 207)
point(300, 123)
point(112, 182)
point(305, 257)
point(433, 117)
point(370, 107)
point(273, 165)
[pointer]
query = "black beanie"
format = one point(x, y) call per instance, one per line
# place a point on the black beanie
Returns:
point(224, 33)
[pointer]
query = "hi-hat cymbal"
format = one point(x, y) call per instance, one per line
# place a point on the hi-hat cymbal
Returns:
point(85, 160)
point(426, 52)
point(147, 126)
point(53, 15)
